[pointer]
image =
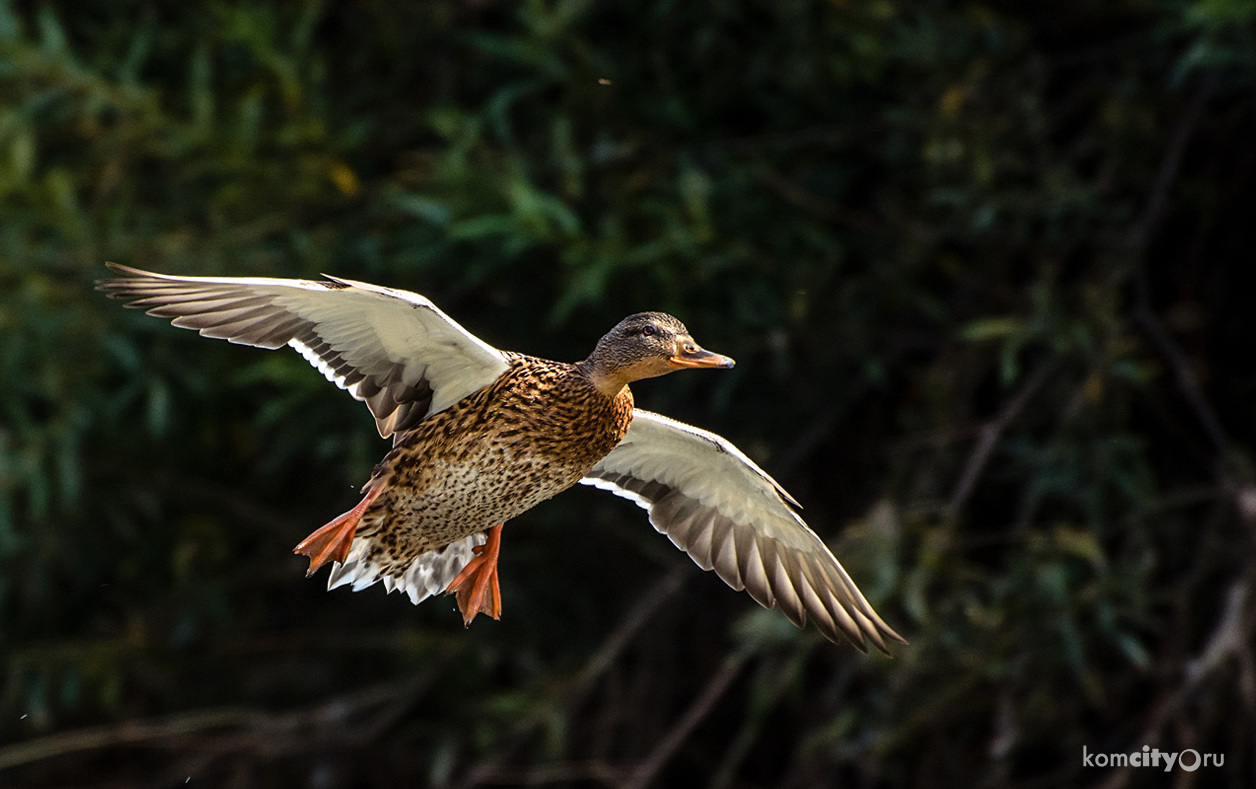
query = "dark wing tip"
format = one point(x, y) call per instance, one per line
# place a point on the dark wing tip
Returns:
point(879, 633)
point(334, 283)
point(784, 494)
point(114, 287)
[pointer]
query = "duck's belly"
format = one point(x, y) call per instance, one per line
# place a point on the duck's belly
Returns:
point(484, 461)
point(448, 498)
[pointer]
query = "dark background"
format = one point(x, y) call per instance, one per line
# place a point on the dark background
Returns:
point(987, 271)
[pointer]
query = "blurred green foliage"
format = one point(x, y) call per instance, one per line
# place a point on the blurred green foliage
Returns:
point(985, 268)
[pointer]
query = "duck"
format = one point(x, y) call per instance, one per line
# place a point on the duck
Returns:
point(481, 435)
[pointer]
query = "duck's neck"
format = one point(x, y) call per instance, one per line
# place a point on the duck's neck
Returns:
point(606, 379)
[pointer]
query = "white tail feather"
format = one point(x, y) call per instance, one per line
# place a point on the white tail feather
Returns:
point(429, 574)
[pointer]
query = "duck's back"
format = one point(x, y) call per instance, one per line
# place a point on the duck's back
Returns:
point(532, 433)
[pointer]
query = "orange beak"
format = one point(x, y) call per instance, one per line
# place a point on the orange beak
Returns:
point(688, 354)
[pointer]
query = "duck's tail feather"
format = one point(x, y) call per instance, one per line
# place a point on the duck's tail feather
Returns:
point(429, 574)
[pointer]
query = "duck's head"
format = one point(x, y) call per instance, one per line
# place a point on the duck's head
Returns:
point(645, 345)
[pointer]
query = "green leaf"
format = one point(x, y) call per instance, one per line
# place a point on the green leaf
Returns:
point(992, 329)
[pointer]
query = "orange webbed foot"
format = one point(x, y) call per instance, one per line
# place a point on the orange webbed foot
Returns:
point(331, 543)
point(476, 588)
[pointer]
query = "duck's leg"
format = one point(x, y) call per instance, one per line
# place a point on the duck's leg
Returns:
point(476, 586)
point(331, 542)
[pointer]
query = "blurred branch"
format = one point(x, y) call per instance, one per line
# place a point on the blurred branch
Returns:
point(1035, 494)
point(1169, 166)
point(988, 436)
point(1187, 381)
point(351, 719)
point(818, 430)
point(593, 770)
point(697, 712)
point(636, 618)
point(629, 626)
point(780, 676)
point(1186, 496)
point(1231, 639)
point(129, 734)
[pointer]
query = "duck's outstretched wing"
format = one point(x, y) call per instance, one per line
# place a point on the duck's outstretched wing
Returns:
point(731, 517)
point(392, 349)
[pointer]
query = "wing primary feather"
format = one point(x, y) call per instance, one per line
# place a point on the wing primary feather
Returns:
point(724, 551)
point(876, 623)
point(842, 619)
point(786, 595)
point(701, 543)
point(766, 551)
point(857, 601)
point(753, 576)
point(815, 606)
point(351, 332)
point(277, 335)
point(681, 533)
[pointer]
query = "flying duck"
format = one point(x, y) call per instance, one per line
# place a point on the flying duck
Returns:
point(481, 435)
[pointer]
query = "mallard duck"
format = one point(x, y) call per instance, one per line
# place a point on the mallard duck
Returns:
point(482, 435)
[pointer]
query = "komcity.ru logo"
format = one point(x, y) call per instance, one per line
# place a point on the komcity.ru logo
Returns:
point(1189, 760)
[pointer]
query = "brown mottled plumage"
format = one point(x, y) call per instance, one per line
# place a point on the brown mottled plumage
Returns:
point(481, 435)
point(531, 434)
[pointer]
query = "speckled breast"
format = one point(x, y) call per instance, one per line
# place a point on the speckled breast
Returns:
point(531, 434)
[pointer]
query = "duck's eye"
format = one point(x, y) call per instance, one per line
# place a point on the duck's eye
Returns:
point(647, 331)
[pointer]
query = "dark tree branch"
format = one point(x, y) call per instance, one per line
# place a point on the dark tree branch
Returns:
point(698, 711)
